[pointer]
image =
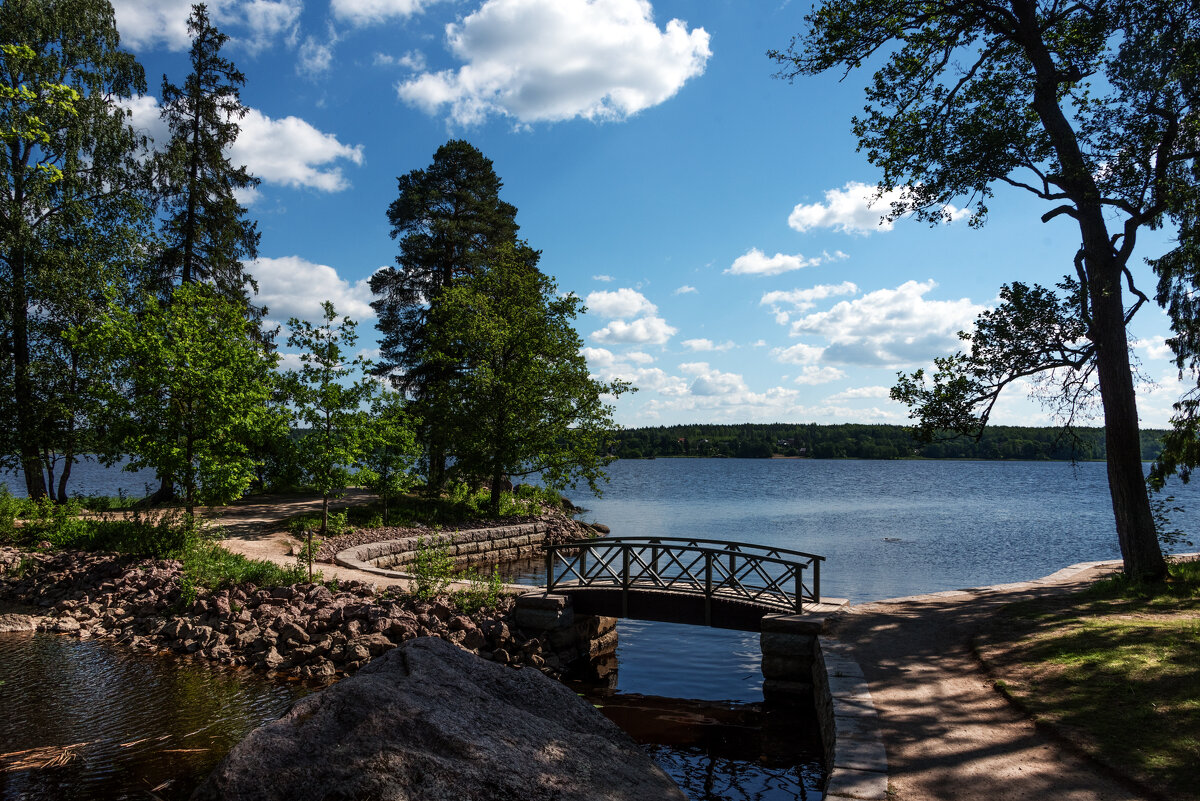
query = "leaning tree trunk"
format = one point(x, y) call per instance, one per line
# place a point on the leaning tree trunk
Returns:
point(1142, 555)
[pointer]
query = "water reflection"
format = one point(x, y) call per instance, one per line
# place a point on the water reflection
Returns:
point(144, 725)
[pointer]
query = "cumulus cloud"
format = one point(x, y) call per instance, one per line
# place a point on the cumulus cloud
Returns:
point(890, 327)
point(602, 278)
point(799, 353)
point(638, 357)
point(253, 23)
point(413, 60)
point(644, 331)
point(685, 290)
point(1155, 348)
point(295, 287)
point(553, 60)
point(803, 299)
point(366, 12)
point(853, 209)
point(622, 302)
point(706, 345)
point(755, 262)
point(291, 152)
point(858, 393)
point(287, 151)
point(315, 56)
point(812, 375)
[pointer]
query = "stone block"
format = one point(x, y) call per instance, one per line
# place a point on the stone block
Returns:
point(793, 668)
point(781, 691)
point(793, 624)
point(781, 644)
point(860, 784)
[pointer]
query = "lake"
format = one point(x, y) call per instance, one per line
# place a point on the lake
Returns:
point(886, 528)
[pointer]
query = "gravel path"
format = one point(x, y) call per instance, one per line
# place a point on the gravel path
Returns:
point(948, 734)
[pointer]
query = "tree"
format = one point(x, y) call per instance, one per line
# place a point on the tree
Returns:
point(206, 234)
point(329, 405)
point(217, 381)
point(69, 173)
point(448, 218)
point(525, 402)
point(1089, 107)
point(389, 466)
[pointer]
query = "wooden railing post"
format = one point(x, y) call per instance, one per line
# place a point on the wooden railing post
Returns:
point(708, 590)
point(625, 581)
point(549, 568)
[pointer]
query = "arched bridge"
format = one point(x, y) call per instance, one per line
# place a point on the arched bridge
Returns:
point(681, 580)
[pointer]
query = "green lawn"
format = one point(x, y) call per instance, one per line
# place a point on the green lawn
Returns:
point(1116, 670)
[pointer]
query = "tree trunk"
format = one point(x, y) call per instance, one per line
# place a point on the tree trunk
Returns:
point(1142, 555)
point(27, 428)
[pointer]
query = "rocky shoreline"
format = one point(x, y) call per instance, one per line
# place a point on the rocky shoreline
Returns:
point(305, 630)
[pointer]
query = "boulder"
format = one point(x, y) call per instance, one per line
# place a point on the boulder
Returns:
point(428, 721)
point(15, 622)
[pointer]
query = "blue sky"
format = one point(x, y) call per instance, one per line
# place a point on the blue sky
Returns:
point(712, 216)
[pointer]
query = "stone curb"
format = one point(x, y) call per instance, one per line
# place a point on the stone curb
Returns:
point(859, 767)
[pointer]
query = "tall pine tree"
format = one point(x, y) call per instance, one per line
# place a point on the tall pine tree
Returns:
point(449, 218)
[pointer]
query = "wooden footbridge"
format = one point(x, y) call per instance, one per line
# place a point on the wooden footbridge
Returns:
point(680, 580)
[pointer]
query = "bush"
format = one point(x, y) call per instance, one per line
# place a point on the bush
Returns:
point(482, 592)
point(433, 569)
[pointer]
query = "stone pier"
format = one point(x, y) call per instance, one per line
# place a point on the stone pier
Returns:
point(569, 636)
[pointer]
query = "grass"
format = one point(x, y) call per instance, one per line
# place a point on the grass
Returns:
point(459, 505)
point(1115, 669)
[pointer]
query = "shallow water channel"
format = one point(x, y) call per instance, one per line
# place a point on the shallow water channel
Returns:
point(143, 725)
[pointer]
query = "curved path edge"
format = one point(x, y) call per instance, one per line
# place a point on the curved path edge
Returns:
point(858, 766)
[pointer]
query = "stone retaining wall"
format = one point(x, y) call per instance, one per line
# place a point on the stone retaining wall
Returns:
point(472, 546)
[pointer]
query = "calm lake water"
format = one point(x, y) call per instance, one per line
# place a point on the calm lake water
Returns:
point(887, 529)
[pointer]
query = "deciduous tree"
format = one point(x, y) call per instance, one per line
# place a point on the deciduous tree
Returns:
point(1090, 107)
point(525, 403)
point(69, 192)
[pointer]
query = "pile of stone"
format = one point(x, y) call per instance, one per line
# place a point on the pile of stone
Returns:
point(305, 629)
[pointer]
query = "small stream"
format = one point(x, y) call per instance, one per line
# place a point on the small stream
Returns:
point(146, 725)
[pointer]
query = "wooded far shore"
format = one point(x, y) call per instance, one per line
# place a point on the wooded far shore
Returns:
point(864, 441)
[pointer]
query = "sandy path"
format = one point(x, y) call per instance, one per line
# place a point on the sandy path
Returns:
point(947, 732)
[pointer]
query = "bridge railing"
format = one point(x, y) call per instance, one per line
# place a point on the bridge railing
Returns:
point(772, 577)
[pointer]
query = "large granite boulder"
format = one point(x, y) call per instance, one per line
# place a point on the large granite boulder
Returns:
point(429, 721)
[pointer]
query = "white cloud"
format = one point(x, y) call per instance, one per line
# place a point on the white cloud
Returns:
point(366, 12)
point(553, 60)
point(853, 209)
point(254, 24)
point(706, 345)
point(755, 262)
point(644, 331)
point(623, 302)
point(803, 299)
point(287, 151)
point(858, 393)
point(291, 152)
point(891, 327)
point(413, 60)
point(812, 375)
point(638, 357)
point(1155, 348)
point(685, 290)
point(798, 354)
point(314, 57)
point(295, 287)
point(603, 278)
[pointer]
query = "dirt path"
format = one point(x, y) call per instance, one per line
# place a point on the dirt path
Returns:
point(948, 734)
point(255, 528)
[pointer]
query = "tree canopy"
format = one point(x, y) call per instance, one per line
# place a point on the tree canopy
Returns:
point(449, 218)
point(525, 403)
point(1089, 107)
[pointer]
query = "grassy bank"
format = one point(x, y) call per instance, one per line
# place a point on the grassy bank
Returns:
point(1115, 670)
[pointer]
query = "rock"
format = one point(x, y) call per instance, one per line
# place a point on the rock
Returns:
point(17, 623)
point(429, 721)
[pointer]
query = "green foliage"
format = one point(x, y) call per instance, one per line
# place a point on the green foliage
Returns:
point(389, 466)
point(481, 592)
point(433, 568)
point(196, 353)
point(210, 566)
point(328, 393)
point(73, 220)
point(521, 399)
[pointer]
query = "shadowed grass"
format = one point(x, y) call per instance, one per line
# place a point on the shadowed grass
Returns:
point(1116, 669)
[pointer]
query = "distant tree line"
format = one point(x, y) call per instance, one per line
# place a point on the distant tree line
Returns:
point(856, 441)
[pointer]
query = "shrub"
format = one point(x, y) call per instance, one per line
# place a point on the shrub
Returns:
point(433, 569)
